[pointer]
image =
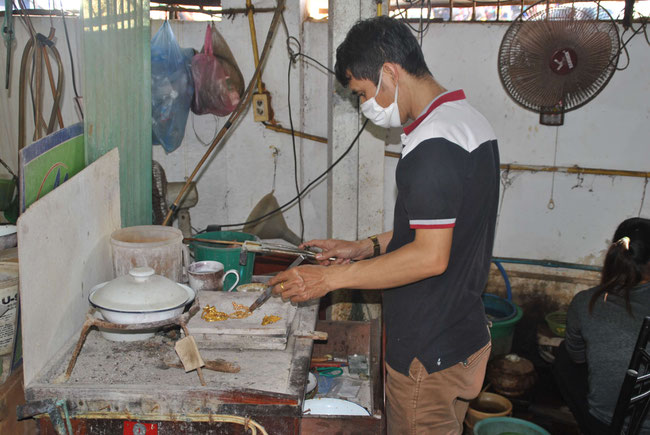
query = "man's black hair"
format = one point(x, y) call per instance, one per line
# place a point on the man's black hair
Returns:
point(372, 42)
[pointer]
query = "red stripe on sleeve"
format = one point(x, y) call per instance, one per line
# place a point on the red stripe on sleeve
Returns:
point(432, 227)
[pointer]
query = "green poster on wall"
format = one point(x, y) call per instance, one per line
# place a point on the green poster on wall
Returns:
point(50, 161)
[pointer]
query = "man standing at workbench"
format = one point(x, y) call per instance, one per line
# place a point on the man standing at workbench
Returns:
point(434, 265)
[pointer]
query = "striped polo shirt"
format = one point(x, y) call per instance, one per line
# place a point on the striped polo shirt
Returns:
point(447, 177)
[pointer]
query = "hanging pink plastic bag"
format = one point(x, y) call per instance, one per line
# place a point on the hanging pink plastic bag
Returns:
point(222, 51)
point(213, 91)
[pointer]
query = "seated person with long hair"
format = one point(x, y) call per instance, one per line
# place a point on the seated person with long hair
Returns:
point(602, 328)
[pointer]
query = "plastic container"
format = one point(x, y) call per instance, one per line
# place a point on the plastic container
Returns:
point(155, 246)
point(228, 255)
point(487, 405)
point(7, 189)
point(8, 307)
point(508, 426)
point(497, 308)
point(502, 332)
point(557, 322)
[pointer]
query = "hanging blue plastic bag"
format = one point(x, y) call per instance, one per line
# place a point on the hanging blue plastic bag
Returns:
point(172, 89)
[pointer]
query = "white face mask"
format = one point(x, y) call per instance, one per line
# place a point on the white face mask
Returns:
point(382, 116)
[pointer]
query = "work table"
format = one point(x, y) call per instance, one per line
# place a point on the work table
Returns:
point(114, 380)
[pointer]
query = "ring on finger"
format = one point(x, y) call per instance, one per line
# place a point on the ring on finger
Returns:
point(282, 285)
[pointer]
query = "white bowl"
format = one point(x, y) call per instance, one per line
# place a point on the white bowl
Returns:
point(141, 290)
point(8, 237)
point(328, 406)
point(312, 383)
point(137, 317)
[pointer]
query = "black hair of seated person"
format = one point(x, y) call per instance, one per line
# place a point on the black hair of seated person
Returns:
point(372, 42)
point(624, 267)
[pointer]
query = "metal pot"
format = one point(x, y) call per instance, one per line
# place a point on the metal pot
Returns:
point(511, 375)
point(8, 237)
point(137, 298)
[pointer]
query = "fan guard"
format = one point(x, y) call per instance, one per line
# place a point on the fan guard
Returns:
point(557, 58)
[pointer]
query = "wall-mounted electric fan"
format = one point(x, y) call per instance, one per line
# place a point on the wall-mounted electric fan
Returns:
point(558, 57)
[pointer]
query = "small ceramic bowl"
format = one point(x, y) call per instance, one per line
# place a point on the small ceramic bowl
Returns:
point(312, 386)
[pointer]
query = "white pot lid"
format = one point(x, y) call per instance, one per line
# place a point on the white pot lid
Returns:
point(139, 291)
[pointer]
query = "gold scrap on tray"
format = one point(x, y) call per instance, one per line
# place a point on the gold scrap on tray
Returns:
point(210, 313)
point(239, 307)
point(240, 314)
point(270, 319)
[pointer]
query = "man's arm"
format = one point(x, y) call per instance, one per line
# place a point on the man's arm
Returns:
point(426, 256)
point(344, 250)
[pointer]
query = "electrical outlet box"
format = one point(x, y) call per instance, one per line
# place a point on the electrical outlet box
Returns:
point(261, 107)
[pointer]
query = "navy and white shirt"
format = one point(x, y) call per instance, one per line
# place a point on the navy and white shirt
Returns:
point(447, 177)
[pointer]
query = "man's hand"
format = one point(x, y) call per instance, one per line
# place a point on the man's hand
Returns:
point(342, 250)
point(302, 283)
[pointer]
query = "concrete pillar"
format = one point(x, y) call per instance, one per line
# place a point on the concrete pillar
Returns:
point(356, 185)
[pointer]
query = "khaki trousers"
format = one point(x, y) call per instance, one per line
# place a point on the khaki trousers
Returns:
point(435, 403)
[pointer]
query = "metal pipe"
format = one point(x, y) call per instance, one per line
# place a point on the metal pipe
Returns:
point(256, 56)
point(223, 12)
point(561, 169)
point(547, 263)
point(243, 103)
point(280, 129)
point(575, 170)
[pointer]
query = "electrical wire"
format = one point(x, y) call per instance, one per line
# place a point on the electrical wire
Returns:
point(74, 79)
point(623, 45)
point(306, 188)
point(293, 59)
point(293, 144)
point(412, 3)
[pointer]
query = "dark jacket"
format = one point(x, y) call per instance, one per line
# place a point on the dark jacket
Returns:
point(605, 339)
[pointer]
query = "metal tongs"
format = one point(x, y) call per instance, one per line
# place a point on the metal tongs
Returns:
point(277, 248)
point(261, 247)
point(266, 294)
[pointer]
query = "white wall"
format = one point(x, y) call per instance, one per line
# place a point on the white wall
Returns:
point(241, 171)
point(611, 132)
point(9, 99)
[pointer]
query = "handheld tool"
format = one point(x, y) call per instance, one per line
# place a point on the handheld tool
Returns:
point(262, 247)
point(266, 294)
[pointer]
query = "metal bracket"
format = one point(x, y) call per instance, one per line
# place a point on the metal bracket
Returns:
point(56, 410)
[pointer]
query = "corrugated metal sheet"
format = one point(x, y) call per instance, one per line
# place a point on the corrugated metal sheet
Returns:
point(117, 96)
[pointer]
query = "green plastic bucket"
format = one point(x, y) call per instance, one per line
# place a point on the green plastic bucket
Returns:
point(502, 332)
point(229, 256)
point(508, 426)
